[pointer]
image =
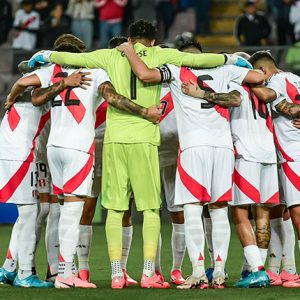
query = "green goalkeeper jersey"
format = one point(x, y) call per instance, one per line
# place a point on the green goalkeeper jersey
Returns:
point(122, 127)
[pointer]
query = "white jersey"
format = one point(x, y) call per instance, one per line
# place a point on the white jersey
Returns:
point(252, 128)
point(287, 137)
point(20, 128)
point(73, 111)
point(201, 123)
point(168, 149)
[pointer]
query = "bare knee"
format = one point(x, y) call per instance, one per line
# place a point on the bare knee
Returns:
point(127, 220)
point(177, 217)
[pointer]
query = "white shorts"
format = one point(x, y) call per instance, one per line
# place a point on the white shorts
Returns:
point(71, 171)
point(44, 178)
point(204, 174)
point(168, 176)
point(255, 183)
point(18, 182)
point(289, 176)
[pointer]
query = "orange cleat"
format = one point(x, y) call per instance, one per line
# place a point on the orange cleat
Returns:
point(84, 275)
point(129, 280)
point(275, 280)
point(176, 277)
point(118, 283)
point(72, 282)
point(154, 282)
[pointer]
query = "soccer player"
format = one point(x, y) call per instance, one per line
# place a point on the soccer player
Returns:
point(130, 146)
point(283, 91)
point(202, 144)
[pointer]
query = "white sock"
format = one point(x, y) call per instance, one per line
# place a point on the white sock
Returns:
point(208, 238)
point(27, 239)
point(246, 266)
point(43, 212)
point(275, 245)
point(158, 253)
point(221, 238)
point(10, 263)
point(84, 245)
point(116, 269)
point(127, 233)
point(68, 228)
point(263, 254)
point(288, 251)
point(252, 255)
point(149, 267)
point(52, 240)
point(194, 237)
point(178, 245)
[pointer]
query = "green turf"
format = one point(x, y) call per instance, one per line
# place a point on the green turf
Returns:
point(100, 268)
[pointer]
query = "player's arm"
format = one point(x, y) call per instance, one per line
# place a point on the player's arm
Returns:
point(291, 110)
point(254, 77)
point(231, 99)
point(77, 79)
point(264, 93)
point(109, 93)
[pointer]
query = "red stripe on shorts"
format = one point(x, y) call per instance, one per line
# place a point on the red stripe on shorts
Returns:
point(227, 196)
point(291, 175)
point(273, 199)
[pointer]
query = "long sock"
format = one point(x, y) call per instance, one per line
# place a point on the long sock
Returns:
point(127, 233)
point(178, 245)
point(208, 238)
point(84, 246)
point(113, 230)
point(275, 245)
point(288, 251)
point(246, 266)
point(221, 238)
point(10, 263)
point(52, 240)
point(252, 255)
point(68, 228)
point(151, 232)
point(158, 254)
point(43, 212)
point(27, 239)
point(194, 237)
point(263, 254)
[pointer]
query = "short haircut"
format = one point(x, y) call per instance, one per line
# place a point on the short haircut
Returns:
point(116, 41)
point(190, 44)
point(262, 55)
point(142, 30)
point(69, 43)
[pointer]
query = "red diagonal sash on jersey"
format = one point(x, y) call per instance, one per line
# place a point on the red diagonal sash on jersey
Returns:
point(293, 177)
point(292, 92)
point(10, 187)
point(167, 101)
point(25, 25)
point(101, 114)
point(77, 111)
point(13, 118)
point(186, 75)
point(279, 147)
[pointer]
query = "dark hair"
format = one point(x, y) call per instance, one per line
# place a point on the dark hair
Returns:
point(142, 30)
point(263, 54)
point(116, 41)
point(189, 44)
point(69, 43)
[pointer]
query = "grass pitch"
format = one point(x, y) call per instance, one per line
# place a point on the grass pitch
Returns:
point(100, 269)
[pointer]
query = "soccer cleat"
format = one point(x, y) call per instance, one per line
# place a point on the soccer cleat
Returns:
point(275, 280)
point(32, 281)
point(118, 283)
point(254, 280)
point(209, 273)
point(195, 283)
point(291, 284)
point(154, 282)
point(285, 276)
point(84, 275)
point(7, 277)
point(218, 283)
point(72, 282)
point(245, 274)
point(176, 277)
point(129, 280)
point(162, 278)
point(50, 277)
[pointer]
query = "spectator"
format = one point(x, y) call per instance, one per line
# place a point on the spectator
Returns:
point(294, 18)
point(202, 16)
point(144, 9)
point(252, 28)
point(82, 14)
point(54, 26)
point(165, 11)
point(111, 15)
point(26, 25)
point(5, 20)
point(43, 8)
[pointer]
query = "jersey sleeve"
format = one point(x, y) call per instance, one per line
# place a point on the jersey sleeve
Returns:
point(101, 76)
point(92, 60)
point(233, 86)
point(235, 74)
point(44, 75)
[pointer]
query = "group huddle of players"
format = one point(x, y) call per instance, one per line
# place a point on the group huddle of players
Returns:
point(220, 123)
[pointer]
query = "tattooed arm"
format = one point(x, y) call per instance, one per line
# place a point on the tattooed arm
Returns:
point(291, 110)
point(230, 99)
point(109, 93)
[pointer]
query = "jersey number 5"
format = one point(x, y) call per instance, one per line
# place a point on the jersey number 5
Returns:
point(206, 88)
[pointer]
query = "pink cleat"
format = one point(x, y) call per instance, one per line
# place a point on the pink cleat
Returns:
point(176, 277)
point(290, 280)
point(153, 282)
point(275, 280)
point(118, 283)
point(129, 280)
point(162, 278)
point(72, 282)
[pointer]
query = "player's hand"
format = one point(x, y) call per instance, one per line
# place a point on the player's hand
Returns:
point(296, 123)
point(192, 89)
point(236, 60)
point(125, 47)
point(78, 79)
point(8, 103)
point(154, 114)
point(41, 57)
